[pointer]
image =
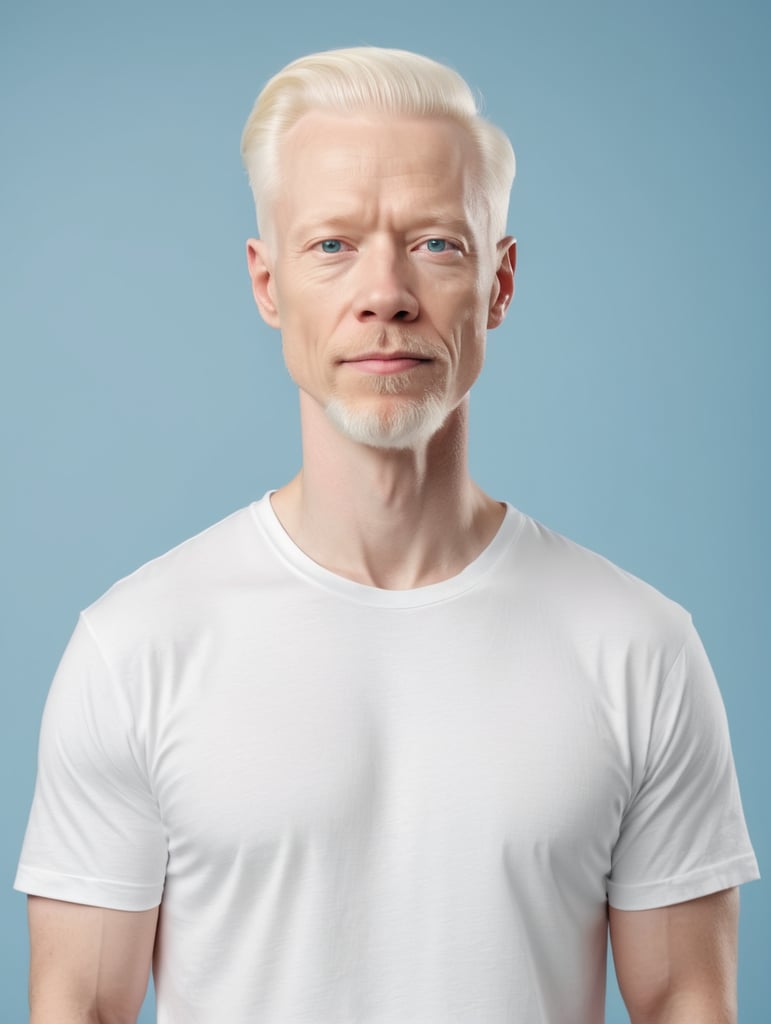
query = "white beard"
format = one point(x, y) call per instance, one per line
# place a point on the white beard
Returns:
point(411, 425)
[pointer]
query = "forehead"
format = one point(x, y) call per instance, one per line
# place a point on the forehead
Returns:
point(331, 159)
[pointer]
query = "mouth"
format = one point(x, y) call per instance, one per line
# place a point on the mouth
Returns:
point(382, 363)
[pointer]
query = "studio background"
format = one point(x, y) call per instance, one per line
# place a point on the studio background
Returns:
point(625, 398)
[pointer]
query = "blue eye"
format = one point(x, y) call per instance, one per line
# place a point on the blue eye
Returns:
point(436, 245)
point(331, 245)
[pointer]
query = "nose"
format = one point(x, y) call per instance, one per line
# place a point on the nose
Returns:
point(384, 291)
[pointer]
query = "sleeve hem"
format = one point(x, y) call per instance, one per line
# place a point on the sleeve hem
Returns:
point(680, 888)
point(94, 892)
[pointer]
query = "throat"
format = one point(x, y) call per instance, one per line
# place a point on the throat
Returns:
point(384, 541)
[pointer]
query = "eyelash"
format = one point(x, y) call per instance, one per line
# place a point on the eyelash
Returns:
point(320, 246)
point(450, 245)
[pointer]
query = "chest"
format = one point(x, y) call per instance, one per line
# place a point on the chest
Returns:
point(398, 740)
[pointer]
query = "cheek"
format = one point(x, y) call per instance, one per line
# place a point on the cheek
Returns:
point(303, 349)
point(471, 339)
point(464, 298)
point(471, 321)
point(294, 341)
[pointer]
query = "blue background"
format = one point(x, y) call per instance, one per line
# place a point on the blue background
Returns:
point(625, 399)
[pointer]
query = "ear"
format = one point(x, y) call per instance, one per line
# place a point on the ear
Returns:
point(260, 264)
point(503, 288)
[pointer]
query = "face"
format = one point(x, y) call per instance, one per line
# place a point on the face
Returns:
point(380, 272)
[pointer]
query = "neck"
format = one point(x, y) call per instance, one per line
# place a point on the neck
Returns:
point(386, 518)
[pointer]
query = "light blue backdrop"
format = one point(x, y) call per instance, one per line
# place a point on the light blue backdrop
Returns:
point(625, 400)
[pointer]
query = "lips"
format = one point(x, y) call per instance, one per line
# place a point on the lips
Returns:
point(385, 356)
point(391, 362)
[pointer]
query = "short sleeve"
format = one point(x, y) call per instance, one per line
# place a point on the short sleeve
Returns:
point(683, 834)
point(95, 834)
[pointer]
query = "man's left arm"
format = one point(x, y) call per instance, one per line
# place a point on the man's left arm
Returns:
point(677, 964)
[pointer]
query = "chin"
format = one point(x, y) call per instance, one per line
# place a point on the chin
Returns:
point(408, 425)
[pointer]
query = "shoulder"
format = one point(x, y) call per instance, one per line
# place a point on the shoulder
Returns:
point(593, 597)
point(175, 592)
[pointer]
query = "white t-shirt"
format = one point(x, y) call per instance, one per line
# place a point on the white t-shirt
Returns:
point(360, 806)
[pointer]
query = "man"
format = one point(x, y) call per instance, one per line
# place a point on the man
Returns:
point(380, 748)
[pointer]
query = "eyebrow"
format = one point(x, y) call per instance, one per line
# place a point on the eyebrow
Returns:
point(342, 221)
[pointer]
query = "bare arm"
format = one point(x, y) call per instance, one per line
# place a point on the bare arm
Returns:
point(677, 964)
point(88, 965)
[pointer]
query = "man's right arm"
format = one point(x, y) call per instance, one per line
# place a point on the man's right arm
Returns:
point(88, 965)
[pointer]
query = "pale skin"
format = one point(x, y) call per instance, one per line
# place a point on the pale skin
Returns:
point(379, 262)
point(370, 191)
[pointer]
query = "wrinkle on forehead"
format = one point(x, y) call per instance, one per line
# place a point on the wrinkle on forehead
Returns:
point(343, 166)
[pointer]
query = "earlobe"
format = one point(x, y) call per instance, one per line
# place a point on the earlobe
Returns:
point(260, 264)
point(503, 287)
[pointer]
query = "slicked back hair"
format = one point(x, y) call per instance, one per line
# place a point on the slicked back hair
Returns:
point(371, 79)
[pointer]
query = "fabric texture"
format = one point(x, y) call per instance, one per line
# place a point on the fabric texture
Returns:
point(359, 806)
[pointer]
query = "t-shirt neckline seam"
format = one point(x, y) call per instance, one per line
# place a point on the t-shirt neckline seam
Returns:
point(301, 564)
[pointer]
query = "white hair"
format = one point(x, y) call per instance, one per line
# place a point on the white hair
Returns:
point(363, 79)
point(409, 425)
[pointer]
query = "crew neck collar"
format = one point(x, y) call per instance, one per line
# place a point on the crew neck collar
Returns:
point(362, 593)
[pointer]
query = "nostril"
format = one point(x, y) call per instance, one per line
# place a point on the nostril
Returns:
point(384, 313)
